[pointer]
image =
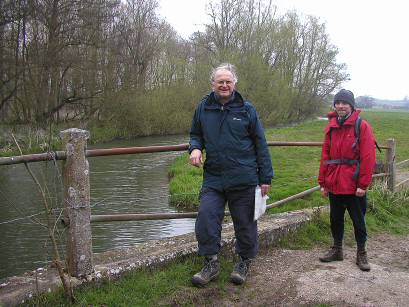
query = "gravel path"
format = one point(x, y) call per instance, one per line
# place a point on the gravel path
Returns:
point(297, 278)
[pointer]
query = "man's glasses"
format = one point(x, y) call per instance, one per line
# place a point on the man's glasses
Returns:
point(223, 82)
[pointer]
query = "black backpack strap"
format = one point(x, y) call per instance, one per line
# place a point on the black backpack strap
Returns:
point(358, 132)
point(357, 129)
point(377, 146)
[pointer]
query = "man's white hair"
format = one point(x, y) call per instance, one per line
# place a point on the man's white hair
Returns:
point(224, 66)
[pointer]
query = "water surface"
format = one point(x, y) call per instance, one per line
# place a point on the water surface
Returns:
point(135, 183)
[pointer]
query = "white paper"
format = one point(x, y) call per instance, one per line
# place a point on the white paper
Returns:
point(259, 204)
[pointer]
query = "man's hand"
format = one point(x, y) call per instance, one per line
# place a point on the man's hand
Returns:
point(324, 192)
point(360, 192)
point(196, 158)
point(264, 189)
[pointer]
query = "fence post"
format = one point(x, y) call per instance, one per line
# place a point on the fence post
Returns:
point(77, 211)
point(391, 164)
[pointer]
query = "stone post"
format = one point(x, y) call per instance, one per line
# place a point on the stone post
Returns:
point(391, 164)
point(77, 211)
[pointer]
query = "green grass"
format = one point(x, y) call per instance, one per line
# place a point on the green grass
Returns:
point(311, 234)
point(185, 183)
point(146, 287)
point(388, 211)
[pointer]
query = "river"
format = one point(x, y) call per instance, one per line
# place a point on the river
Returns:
point(135, 183)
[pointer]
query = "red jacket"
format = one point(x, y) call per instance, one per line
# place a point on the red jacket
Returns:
point(338, 178)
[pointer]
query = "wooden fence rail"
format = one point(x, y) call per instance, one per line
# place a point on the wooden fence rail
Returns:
point(77, 211)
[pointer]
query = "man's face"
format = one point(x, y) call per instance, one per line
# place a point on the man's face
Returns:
point(223, 84)
point(343, 108)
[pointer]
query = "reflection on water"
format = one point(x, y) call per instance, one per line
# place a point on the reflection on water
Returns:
point(119, 184)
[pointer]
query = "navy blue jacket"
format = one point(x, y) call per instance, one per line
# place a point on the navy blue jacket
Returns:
point(237, 154)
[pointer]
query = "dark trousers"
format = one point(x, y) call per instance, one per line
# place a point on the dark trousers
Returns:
point(210, 217)
point(356, 207)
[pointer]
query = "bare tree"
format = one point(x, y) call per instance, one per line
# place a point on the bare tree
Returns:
point(140, 35)
point(48, 50)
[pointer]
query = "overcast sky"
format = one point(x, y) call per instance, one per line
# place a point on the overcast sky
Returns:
point(372, 36)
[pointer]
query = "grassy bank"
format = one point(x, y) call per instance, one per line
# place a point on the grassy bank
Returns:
point(295, 168)
point(147, 287)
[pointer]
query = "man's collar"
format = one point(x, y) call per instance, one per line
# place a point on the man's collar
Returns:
point(217, 98)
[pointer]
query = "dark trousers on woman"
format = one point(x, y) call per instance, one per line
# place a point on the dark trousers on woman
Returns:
point(356, 207)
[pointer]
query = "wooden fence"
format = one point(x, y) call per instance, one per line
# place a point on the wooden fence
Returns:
point(77, 210)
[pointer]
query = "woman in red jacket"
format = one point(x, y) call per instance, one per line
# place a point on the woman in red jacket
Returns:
point(346, 168)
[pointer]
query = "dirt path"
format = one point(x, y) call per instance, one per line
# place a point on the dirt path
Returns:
point(297, 278)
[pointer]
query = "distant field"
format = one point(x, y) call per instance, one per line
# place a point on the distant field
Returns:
point(295, 168)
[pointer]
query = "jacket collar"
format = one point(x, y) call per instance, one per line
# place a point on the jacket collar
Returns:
point(333, 123)
point(212, 103)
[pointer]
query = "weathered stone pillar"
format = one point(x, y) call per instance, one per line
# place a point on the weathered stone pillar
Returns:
point(77, 211)
point(391, 164)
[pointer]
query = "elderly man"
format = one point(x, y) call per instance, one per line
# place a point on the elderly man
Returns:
point(237, 160)
point(347, 164)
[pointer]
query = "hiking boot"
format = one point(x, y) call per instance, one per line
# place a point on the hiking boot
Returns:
point(362, 260)
point(334, 254)
point(209, 272)
point(241, 269)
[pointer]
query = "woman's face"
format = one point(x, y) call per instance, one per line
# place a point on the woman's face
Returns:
point(342, 108)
